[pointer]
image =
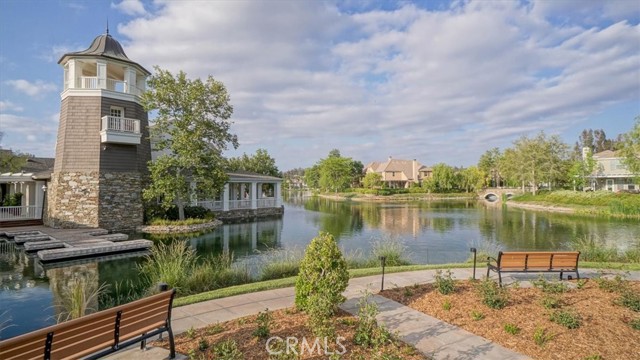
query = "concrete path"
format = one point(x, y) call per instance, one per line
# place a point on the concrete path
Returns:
point(434, 338)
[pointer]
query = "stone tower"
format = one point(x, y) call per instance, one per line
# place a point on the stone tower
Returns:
point(103, 145)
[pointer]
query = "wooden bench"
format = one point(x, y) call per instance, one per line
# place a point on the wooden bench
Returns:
point(96, 335)
point(534, 261)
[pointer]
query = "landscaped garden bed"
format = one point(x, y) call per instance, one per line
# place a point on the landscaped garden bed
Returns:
point(589, 319)
point(246, 338)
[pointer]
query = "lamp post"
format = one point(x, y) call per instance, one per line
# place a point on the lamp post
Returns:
point(44, 201)
point(383, 261)
point(473, 250)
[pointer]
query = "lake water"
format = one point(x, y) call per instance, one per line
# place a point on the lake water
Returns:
point(434, 232)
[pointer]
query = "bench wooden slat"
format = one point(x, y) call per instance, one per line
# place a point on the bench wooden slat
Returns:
point(535, 261)
point(94, 333)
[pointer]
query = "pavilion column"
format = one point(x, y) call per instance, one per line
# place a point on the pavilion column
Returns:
point(278, 194)
point(225, 198)
point(254, 195)
point(101, 73)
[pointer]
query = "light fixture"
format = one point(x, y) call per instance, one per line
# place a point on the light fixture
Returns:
point(44, 188)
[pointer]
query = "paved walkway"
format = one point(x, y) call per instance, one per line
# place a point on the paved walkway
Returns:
point(429, 335)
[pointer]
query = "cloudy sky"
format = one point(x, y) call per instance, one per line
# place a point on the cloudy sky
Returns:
point(438, 81)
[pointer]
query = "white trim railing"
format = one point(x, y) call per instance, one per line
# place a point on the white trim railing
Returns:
point(93, 82)
point(20, 212)
point(239, 204)
point(266, 203)
point(114, 123)
point(211, 204)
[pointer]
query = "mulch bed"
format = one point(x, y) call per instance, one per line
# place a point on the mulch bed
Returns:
point(286, 323)
point(605, 332)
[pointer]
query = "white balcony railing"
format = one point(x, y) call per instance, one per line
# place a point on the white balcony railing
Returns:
point(211, 204)
point(119, 130)
point(114, 123)
point(93, 82)
point(266, 203)
point(239, 204)
point(8, 213)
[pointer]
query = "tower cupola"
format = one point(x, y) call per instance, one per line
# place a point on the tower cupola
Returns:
point(103, 65)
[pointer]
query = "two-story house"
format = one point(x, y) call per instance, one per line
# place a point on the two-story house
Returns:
point(397, 173)
point(611, 174)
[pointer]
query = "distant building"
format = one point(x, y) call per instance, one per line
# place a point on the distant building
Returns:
point(397, 173)
point(611, 174)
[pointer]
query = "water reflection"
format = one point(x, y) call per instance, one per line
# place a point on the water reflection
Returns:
point(433, 232)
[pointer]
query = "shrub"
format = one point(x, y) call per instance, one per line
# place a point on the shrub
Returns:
point(551, 302)
point(512, 329)
point(444, 283)
point(368, 333)
point(477, 315)
point(278, 264)
point(227, 350)
point(581, 283)
point(392, 249)
point(611, 285)
point(568, 319)
point(550, 287)
point(492, 294)
point(322, 278)
point(446, 305)
point(635, 324)
point(264, 320)
point(630, 298)
point(541, 336)
point(170, 263)
point(203, 345)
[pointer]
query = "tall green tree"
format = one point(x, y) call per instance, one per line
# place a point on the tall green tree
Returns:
point(536, 160)
point(443, 178)
point(372, 180)
point(191, 131)
point(580, 171)
point(630, 150)
point(489, 165)
point(312, 177)
point(471, 179)
point(335, 173)
point(261, 162)
point(357, 169)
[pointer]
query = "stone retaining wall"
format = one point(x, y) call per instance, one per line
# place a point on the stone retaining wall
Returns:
point(172, 229)
point(248, 214)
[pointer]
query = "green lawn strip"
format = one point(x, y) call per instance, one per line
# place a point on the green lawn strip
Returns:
point(355, 273)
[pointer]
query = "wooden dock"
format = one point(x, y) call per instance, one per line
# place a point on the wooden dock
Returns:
point(52, 245)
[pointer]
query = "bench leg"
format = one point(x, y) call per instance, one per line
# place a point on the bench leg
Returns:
point(488, 269)
point(560, 275)
point(143, 343)
point(172, 344)
point(499, 279)
point(577, 274)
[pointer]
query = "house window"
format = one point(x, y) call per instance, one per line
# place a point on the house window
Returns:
point(116, 111)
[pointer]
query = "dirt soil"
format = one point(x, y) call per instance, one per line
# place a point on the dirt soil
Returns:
point(286, 323)
point(605, 332)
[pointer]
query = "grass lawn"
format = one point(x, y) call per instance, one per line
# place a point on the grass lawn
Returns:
point(592, 203)
point(290, 281)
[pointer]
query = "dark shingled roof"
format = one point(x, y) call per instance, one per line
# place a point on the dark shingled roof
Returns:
point(104, 45)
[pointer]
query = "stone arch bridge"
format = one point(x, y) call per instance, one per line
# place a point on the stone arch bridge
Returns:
point(496, 194)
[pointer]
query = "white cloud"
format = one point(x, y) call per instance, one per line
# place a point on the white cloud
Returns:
point(130, 7)
point(26, 134)
point(9, 106)
point(31, 88)
point(54, 53)
point(310, 77)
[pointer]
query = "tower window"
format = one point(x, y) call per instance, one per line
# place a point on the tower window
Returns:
point(116, 111)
